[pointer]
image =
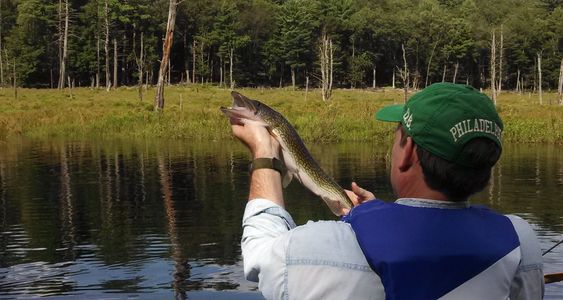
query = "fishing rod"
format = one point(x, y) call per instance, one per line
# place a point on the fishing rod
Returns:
point(549, 250)
point(554, 277)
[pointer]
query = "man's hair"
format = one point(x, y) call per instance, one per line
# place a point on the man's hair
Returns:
point(454, 181)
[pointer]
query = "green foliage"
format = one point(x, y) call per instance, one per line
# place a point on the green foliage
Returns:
point(359, 65)
point(28, 43)
point(270, 40)
point(296, 25)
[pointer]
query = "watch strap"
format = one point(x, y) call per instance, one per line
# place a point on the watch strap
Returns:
point(267, 163)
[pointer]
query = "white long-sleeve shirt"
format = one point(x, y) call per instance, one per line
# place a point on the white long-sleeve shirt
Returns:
point(322, 260)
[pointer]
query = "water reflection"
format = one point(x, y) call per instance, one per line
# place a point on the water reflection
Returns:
point(162, 219)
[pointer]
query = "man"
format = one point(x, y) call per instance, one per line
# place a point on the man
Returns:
point(429, 244)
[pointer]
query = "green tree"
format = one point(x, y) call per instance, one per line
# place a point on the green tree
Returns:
point(295, 35)
point(7, 21)
point(28, 43)
point(227, 32)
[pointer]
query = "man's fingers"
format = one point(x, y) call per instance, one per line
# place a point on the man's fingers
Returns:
point(353, 197)
point(362, 194)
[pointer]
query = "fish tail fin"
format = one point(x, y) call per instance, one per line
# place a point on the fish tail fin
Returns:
point(335, 205)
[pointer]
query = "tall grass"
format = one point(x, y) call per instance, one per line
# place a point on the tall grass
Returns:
point(192, 113)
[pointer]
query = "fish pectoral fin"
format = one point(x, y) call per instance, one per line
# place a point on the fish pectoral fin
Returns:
point(287, 179)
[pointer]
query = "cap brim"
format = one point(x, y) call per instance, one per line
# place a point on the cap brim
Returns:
point(391, 113)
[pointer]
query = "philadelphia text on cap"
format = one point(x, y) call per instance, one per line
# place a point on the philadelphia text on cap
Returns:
point(479, 125)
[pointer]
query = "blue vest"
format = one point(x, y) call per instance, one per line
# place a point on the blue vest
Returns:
point(424, 253)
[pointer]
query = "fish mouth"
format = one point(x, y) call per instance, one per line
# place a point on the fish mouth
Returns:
point(242, 108)
point(241, 101)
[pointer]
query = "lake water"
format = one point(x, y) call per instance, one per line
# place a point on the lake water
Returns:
point(161, 220)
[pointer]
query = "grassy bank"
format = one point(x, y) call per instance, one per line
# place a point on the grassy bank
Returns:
point(192, 112)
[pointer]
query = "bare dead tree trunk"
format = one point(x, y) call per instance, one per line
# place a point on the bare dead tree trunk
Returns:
point(306, 87)
point(97, 45)
point(405, 75)
point(140, 65)
point(69, 88)
point(115, 83)
point(455, 70)
point(166, 46)
point(444, 72)
point(493, 68)
point(560, 87)
point(292, 77)
point(97, 61)
point(202, 61)
point(539, 78)
point(210, 63)
point(326, 59)
point(63, 41)
point(281, 75)
point(60, 34)
point(393, 79)
point(482, 78)
point(518, 81)
point(373, 83)
point(499, 90)
point(186, 62)
point(7, 66)
point(15, 80)
point(124, 64)
point(430, 63)
point(231, 55)
point(415, 80)
point(221, 71)
point(331, 59)
point(106, 44)
point(193, 61)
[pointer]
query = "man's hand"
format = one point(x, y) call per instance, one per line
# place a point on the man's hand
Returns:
point(264, 183)
point(256, 137)
point(358, 196)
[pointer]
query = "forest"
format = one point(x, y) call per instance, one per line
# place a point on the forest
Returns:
point(515, 44)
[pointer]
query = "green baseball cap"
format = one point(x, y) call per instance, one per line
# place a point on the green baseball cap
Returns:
point(444, 116)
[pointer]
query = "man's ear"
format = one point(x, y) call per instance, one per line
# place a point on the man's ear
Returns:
point(408, 157)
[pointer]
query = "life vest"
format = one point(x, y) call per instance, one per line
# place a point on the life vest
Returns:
point(428, 253)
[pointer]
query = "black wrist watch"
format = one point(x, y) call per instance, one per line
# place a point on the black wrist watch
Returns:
point(267, 163)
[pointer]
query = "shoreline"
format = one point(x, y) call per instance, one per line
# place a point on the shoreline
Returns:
point(192, 113)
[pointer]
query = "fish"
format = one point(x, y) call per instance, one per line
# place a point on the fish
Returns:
point(296, 157)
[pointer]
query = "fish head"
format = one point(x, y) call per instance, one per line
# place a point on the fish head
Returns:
point(245, 110)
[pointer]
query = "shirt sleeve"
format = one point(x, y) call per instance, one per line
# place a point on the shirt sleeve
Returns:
point(266, 233)
point(528, 282)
